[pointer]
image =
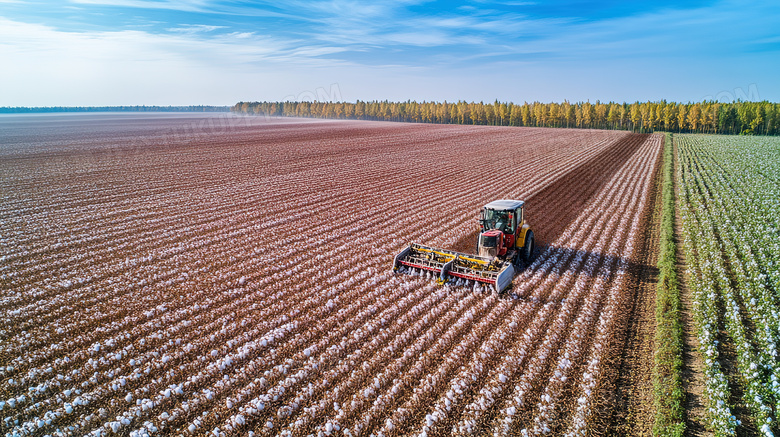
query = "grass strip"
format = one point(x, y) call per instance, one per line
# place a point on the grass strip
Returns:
point(667, 383)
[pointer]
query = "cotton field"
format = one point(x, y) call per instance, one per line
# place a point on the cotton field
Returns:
point(238, 282)
point(730, 204)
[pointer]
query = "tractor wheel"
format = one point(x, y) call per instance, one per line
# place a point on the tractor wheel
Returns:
point(517, 259)
point(528, 249)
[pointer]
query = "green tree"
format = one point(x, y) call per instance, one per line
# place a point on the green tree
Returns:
point(613, 115)
point(635, 116)
point(694, 117)
point(515, 118)
point(669, 116)
point(553, 114)
point(525, 113)
point(600, 118)
point(682, 118)
point(504, 112)
point(588, 114)
point(569, 113)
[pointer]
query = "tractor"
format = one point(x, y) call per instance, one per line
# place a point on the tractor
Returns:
point(505, 241)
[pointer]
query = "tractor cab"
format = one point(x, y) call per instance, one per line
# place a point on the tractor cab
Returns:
point(501, 222)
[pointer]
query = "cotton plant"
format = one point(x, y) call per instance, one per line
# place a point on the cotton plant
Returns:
point(725, 206)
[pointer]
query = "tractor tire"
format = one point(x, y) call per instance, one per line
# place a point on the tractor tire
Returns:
point(528, 249)
point(517, 260)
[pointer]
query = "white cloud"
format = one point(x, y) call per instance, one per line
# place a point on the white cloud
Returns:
point(45, 66)
point(481, 56)
point(194, 28)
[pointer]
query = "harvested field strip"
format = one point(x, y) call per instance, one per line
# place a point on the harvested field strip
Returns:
point(597, 169)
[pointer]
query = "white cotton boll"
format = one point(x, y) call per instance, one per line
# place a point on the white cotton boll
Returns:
point(214, 353)
point(129, 397)
point(191, 428)
point(239, 419)
point(242, 280)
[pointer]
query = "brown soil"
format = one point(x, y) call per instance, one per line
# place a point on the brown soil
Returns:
point(632, 397)
point(553, 208)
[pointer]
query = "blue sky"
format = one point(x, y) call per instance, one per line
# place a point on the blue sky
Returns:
point(180, 52)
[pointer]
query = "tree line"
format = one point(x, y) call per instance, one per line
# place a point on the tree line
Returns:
point(749, 118)
point(48, 109)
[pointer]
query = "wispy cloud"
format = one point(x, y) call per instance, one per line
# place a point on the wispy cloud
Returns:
point(213, 8)
point(134, 63)
point(194, 28)
point(412, 32)
point(438, 45)
point(176, 5)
